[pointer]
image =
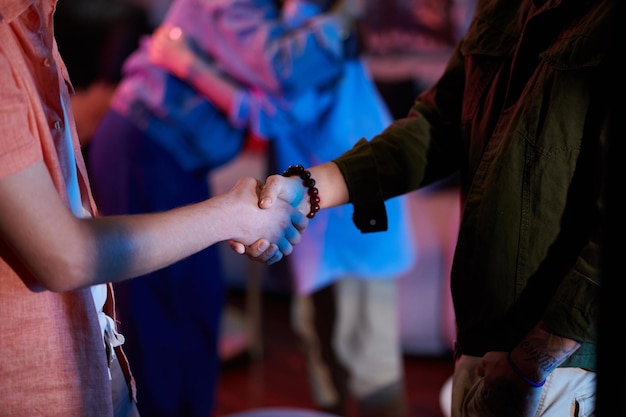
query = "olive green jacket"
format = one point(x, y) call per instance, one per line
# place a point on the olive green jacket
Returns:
point(518, 115)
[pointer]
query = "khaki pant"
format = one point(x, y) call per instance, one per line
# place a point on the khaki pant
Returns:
point(350, 335)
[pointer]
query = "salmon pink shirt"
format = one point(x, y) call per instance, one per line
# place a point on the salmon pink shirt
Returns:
point(52, 355)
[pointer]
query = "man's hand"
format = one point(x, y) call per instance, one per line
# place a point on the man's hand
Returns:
point(500, 391)
point(277, 187)
point(280, 224)
point(289, 189)
point(510, 383)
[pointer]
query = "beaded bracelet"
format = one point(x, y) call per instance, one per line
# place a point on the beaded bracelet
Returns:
point(521, 374)
point(308, 182)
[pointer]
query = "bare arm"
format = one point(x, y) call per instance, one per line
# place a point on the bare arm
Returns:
point(170, 50)
point(61, 252)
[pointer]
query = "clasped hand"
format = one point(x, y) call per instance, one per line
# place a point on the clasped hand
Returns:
point(278, 191)
point(499, 392)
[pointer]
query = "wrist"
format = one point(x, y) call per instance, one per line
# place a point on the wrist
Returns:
point(309, 183)
point(527, 374)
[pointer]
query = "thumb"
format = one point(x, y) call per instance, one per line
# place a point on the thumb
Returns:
point(269, 192)
point(238, 247)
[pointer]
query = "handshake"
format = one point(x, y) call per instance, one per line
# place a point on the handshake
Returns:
point(267, 220)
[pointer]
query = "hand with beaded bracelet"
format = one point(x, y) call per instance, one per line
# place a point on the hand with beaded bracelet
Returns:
point(262, 250)
point(329, 182)
point(309, 183)
point(297, 191)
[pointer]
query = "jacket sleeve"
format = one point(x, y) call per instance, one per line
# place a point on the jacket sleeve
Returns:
point(410, 153)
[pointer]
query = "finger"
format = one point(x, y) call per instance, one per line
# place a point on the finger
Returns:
point(269, 192)
point(238, 247)
point(299, 220)
point(293, 235)
point(284, 246)
point(268, 256)
point(275, 258)
point(257, 250)
point(259, 186)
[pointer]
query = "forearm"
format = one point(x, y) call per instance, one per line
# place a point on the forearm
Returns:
point(541, 352)
point(331, 185)
point(170, 51)
point(512, 382)
point(52, 248)
point(60, 252)
point(129, 246)
point(156, 240)
point(207, 81)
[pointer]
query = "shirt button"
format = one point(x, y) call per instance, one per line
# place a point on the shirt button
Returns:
point(372, 222)
point(46, 62)
point(57, 125)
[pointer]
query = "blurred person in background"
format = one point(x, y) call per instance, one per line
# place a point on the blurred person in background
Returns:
point(154, 150)
point(345, 308)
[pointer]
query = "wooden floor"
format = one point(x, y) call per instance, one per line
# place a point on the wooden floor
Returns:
point(276, 376)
